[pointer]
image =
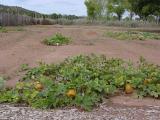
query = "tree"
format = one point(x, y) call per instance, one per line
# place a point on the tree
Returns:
point(91, 8)
point(101, 7)
point(95, 8)
point(128, 7)
point(54, 16)
point(144, 8)
point(117, 7)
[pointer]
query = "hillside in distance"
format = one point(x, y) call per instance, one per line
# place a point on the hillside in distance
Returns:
point(23, 11)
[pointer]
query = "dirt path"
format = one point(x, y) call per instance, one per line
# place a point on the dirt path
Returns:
point(104, 112)
point(21, 47)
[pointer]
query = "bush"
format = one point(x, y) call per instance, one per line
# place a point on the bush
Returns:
point(133, 35)
point(83, 81)
point(57, 40)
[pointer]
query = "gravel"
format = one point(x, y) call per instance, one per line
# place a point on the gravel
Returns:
point(103, 112)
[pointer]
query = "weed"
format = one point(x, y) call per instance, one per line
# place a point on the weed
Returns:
point(3, 29)
point(2, 82)
point(24, 67)
point(133, 35)
point(57, 40)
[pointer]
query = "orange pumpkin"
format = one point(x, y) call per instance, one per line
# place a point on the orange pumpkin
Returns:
point(71, 93)
point(38, 86)
point(147, 81)
point(128, 88)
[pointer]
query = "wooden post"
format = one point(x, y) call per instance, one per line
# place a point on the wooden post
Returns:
point(1, 16)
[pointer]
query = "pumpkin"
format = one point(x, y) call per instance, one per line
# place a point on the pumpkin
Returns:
point(128, 88)
point(38, 86)
point(71, 93)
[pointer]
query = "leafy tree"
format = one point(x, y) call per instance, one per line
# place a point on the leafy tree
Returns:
point(144, 8)
point(101, 5)
point(91, 8)
point(117, 7)
point(128, 7)
point(95, 8)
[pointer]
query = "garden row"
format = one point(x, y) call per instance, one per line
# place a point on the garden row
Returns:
point(83, 82)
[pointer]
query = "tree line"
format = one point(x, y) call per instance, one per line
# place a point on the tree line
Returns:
point(21, 11)
point(96, 9)
point(13, 15)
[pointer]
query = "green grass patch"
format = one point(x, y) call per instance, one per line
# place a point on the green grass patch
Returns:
point(84, 82)
point(20, 28)
point(24, 67)
point(132, 35)
point(57, 39)
point(3, 29)
point(2, 82)
point(11, 29)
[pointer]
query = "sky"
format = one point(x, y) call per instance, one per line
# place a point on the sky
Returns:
point(72, 7)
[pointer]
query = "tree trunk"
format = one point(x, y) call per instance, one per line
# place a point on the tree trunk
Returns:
point(131, 15)
point(119, 17)
point(158, 20)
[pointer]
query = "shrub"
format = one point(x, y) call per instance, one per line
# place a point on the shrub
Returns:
point(132, 35)
point(57, 39)
point(83, 81)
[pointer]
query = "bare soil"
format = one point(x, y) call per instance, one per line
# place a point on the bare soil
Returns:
point(25, 47)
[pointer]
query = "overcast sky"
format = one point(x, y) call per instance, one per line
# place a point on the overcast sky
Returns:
point(75, 7)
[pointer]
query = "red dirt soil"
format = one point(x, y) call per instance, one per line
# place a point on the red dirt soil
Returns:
point(25, 47)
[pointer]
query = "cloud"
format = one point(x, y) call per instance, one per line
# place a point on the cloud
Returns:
point(76, 7)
